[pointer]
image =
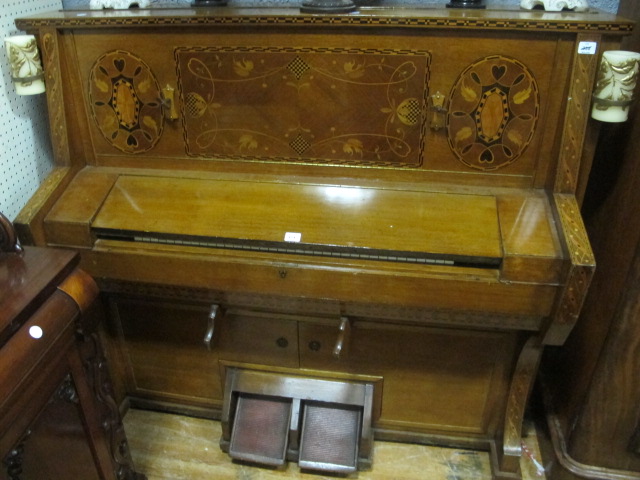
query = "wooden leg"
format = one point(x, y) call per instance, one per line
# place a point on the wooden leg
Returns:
point(506, 457)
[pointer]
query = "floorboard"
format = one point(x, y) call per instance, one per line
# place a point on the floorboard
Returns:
point(175, 447)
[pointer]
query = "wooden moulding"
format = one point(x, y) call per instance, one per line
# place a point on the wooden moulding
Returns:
point(580, 270)
point(503, 19)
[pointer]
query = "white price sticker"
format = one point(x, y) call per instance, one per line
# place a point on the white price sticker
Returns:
point(294, 237)
point(587, 48)
point(36, 332)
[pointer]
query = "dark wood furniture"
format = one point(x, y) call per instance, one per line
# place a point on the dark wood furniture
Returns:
point(58, 418)
point(388, 198)
point(592, 382)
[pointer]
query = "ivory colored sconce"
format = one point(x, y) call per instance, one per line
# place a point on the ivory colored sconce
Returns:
point(615, 83)
point(24, 61)
point(556, 5)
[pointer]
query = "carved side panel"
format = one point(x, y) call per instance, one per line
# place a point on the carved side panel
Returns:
point(55, 98)
point(14, 460)
point(126, 102)
point(361, 107)
point(96, 366)
point(493, 111)
point(576, 117)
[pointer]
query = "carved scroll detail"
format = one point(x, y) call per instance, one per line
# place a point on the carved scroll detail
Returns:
point(14, 459)
point(67, 391)
point(576, 117)
point(493, 112)
point(96, 367)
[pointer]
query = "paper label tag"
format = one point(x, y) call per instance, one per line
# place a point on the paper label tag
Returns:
point(587, 48)
point(294, 237)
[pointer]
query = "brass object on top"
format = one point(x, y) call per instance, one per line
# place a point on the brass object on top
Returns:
point(466, 4)
point(209, 3)
point(328, 6)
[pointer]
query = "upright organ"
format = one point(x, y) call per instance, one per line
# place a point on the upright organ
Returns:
point(368, 221)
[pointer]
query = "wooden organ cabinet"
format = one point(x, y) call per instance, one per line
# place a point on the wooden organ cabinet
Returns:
point(323, 229)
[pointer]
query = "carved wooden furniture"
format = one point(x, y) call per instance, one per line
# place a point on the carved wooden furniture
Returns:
point(385, 199)
point(58, 418)
point(592, 382)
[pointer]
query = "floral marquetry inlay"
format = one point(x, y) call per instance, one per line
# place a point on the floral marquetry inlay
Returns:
point(125, 100)
point(494, 107)
point(313, 105)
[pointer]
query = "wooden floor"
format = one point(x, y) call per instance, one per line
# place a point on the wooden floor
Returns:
point(174, 447)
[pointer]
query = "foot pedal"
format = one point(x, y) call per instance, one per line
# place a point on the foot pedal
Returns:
point(323, 424)
point(330, 437)
point(260, 429)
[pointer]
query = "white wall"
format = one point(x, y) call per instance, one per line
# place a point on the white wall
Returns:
point(25, 151)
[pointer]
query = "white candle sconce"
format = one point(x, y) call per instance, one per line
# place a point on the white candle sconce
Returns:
point(556, 5)
point(25, 65)
point(615, 83)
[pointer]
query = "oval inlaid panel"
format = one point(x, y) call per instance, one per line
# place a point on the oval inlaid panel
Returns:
point(125, 101)
point(493, 111)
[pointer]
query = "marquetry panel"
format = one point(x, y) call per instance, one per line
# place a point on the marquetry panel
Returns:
point(55, 100)
point(576, 117)
point(404, 18)
point(493, 113)
point(361, 107)
point(126, 102)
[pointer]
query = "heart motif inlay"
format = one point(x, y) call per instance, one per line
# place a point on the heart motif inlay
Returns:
point(498, 71)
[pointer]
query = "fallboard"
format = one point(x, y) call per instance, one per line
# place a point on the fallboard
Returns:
point(306, 219)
